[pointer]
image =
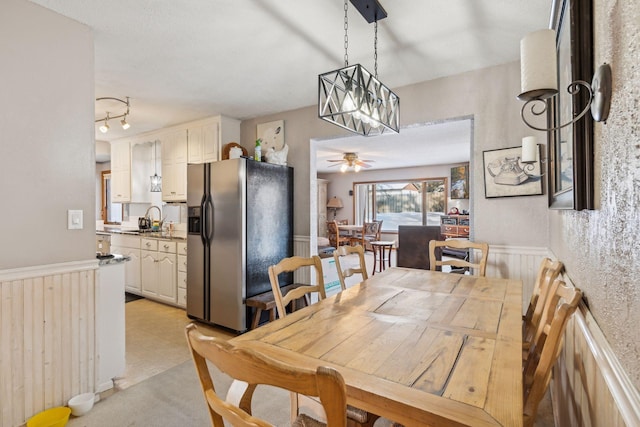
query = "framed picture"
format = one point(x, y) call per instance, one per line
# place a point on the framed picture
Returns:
point(506, 176)
point(272, 135)
point(460, 182)
point(570, 149)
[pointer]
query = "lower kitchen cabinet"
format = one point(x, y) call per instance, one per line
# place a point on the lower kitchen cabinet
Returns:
point(129, 246)
point(158, 267)
point(182, 274)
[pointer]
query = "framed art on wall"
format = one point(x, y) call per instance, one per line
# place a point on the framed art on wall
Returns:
point(272, 135)
point(570, 148)
point(460, 182)
point(506, 176)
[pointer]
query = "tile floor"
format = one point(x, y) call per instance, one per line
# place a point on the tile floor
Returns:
point(155, 342)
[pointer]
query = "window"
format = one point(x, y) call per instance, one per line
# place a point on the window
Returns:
point(407, 202)
point(111, 212)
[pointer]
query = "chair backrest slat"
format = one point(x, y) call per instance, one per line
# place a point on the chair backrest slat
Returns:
point(561, 303)
point(343, 251)
point(479, 268)
point(292, 264)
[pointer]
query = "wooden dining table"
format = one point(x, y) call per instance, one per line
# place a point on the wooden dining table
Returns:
point(415, 346)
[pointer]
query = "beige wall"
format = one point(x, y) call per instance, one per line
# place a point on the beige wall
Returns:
point(47, 150)
point(601, 248)
point(488, 96)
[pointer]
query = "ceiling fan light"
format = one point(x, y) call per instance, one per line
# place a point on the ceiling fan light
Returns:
point(344, 167)
point(357, 168)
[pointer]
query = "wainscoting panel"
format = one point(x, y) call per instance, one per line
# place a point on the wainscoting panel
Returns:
point(589, 386)
point(301, 247)
point(516, 262)
point(47, 337)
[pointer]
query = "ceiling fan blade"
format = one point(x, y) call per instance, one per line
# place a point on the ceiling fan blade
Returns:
point(336, 164)
point(335, 160)
point(362, 164)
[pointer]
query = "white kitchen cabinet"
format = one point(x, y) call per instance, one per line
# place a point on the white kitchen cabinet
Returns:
point(142, 158)
point(120, 172)
point(159, 269)
point(207, 137)
point(174, 165)
point(129, 246)
point(182, 274)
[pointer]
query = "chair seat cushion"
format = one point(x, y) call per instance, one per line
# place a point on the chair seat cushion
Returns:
point(356, 414)
point(303, 420)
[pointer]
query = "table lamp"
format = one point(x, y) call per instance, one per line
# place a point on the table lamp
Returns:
point(335, 204)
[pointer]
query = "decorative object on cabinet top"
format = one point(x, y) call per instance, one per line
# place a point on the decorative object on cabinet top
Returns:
point(226, 151)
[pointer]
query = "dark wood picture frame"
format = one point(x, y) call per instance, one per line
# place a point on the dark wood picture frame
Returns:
point(570, 149)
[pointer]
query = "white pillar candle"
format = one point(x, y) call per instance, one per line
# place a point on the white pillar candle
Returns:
point(529, 149)
point(538, 62)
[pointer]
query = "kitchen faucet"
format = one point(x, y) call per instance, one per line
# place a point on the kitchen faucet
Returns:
point(146, 215)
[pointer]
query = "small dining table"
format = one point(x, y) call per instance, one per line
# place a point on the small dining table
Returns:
point(415, 346)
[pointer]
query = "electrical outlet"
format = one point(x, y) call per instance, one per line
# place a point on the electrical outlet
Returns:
point(74, 219)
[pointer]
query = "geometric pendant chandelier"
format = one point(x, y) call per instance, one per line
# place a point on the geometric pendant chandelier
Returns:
point(353, 98)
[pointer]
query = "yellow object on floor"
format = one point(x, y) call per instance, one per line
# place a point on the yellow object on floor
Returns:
point(54, 417)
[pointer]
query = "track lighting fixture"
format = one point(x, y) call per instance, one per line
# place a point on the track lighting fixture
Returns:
point(124, 123)
point(104, 127)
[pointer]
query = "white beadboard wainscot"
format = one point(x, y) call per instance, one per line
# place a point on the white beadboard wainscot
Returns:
point(47, 337)
point(590, 387)
point(516, 262)
point(301, 247)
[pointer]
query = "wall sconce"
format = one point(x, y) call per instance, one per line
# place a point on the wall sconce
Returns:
point(529, 155)
point(334, 203)
point(539, 80)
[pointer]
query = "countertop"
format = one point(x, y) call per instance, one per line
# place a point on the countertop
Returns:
point(175, 235)
point(112, 259)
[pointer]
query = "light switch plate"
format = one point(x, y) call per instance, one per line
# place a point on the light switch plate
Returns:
point(74, 219)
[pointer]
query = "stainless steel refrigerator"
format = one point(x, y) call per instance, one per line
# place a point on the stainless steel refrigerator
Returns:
point(240, 221)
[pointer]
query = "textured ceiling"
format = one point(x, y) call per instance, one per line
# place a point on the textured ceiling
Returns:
point(183, 60)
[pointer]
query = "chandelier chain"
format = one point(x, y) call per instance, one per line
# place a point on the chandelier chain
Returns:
point(375, 49)
point(346, 35)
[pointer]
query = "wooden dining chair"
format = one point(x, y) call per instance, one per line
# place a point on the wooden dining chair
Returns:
point(547, 344)
point(335, 238)
point(343, 251)
point(289, 265)
point(547, 273)
point(357, 417)
point(370, 233)
point(254, 368)
point(479, 268)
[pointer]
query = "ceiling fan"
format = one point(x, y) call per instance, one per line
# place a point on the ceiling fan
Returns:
point(351, 160)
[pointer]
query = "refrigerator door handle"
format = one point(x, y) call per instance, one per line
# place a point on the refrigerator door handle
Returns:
point(209, 219)
point(203, 230)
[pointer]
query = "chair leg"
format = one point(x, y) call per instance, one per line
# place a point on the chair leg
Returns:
point(256, 318)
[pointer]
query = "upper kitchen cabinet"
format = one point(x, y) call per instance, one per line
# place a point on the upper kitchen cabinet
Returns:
point(207, 137)
point(142, 158)
point(120, 172)
point(174, 165)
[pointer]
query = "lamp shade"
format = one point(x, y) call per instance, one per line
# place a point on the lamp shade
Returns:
point(529, 149)
point(538, 65)
point(334, 203)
